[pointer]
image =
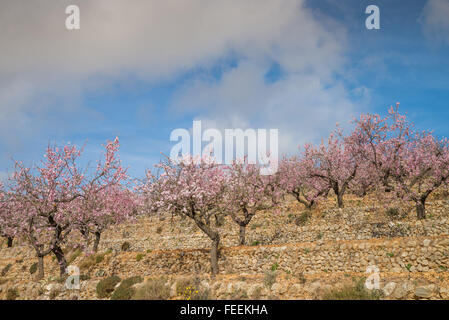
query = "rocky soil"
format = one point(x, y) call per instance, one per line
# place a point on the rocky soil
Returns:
point(287, 256)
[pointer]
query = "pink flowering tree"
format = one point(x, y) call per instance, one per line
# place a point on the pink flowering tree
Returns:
point(335, 163)
point(421, 168)
point(99, 209)
point(379, 142)
point(364, 181)
point(247, 191)
point(105, 199)
point(403, 161)
point(192, 187)
point(296, 179)
point(8, 218)
point(46, 197)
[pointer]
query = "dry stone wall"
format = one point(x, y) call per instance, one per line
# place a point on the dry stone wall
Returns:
point(353, 223)
point(421, 254)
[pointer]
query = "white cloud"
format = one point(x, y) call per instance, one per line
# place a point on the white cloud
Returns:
point(45, 68)
point(435, 21)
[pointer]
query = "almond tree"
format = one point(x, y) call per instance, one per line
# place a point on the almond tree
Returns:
point(46, 197)
point(247, 191)
point(410, 163)
point(43, 195)
point(297, 179)
point(364, 181)
point(334, 163)
point(421, 167)
point(105, 199)
point(101, 208)
point(379, 142)
point(8, 223)
point(192, 187)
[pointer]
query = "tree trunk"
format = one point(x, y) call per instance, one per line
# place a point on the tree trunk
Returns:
point(215, 237)
point(214, 255)
point(10, 239)
point(61, 259)
point(40, 267)
point(242, 235)
point(96, 241)
point(340, 200)
point(421, 209)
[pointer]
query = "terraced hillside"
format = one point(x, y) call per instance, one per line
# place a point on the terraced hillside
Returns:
point(290, 254)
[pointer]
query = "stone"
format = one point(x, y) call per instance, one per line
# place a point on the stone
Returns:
point(255, 290)
point(389, 288)
point(295, 289)
point(402, 290)
point(444, 292)
point(426, 291)
point(173, 292)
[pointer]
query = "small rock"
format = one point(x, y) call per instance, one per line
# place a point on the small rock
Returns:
point(389, 288)
point(426, 291)
point(402, 290)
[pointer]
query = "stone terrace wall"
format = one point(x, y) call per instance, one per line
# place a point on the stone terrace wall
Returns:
point(354, 223)
point(395, 255)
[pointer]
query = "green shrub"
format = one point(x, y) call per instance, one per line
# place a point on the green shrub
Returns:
point(153, 289)
point(255, 243)
point(123, 293)
point(125, 290)
point(87, 262)
point(106, 286)
point(92, 260)
point(139, 256)
point(12, 294)
point(270, 278)
point(302, 219)
point(128, 282)
point(74, 256)
point(184, 283)
point(84, 277)
point(33, 268)
point(125, 246)
point(99, 257)
point(6, 269)
point(190, 289)
point(393, 212)
point(202, 295)
point(356, 291)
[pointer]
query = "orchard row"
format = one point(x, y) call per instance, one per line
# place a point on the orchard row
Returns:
point(44, 204)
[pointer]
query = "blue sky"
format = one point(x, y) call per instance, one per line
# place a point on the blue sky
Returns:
point(141, 71)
